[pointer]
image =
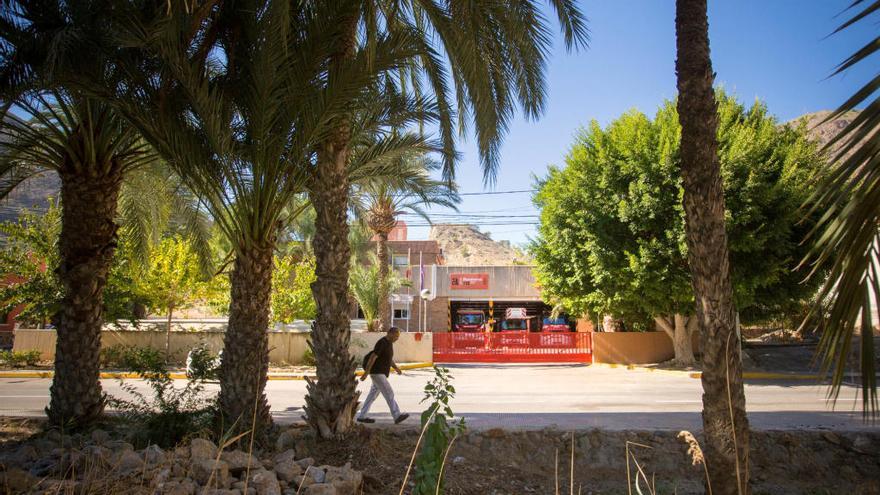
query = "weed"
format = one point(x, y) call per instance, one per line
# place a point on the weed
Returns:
point(439, 431)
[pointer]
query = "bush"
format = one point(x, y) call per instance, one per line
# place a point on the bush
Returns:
point(201, 364)
point(19, 359)
point(171, 414)
point(134, 359)
point(439, 432)
point(309, 356)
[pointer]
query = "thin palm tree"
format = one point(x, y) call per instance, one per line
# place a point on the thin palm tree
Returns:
point(725, 424)
point(92, 149)
point(847, 236)
point(379, 202)
point(494, 54)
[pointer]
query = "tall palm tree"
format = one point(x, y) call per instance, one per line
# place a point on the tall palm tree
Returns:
point(847, 237)
point(494, 54)
point(381, 201)
point(92, 149)
point(725, 425)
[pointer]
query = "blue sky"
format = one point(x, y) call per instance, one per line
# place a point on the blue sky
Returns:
point(774, 50)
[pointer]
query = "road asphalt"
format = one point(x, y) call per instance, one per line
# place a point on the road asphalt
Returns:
point(568, 397)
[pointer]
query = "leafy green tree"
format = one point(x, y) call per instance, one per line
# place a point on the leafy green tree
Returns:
point(173, 280)
point(28, 257)
point(612, 236)
point(291, 289)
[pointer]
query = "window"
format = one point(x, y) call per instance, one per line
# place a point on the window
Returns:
point(401, 313)
point(400, 261)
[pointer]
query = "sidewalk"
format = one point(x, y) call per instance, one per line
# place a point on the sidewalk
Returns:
point(300, 373)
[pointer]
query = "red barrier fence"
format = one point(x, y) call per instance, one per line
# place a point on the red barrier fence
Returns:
point(512, 347)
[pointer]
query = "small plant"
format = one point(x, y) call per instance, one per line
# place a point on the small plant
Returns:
point(171, 414)
point(439, 430)
point(309, 357)
point(20, 359)
point(201, 364)
point(135, 359)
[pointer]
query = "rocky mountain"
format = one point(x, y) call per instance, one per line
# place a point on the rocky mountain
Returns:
point(30, 194)
point(821, 132)
point(464, 245)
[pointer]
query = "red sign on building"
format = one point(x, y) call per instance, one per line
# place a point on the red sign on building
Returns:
point(468, 281)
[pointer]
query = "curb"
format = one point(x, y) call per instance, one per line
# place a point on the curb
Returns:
point(747, 375)
point(182, 376)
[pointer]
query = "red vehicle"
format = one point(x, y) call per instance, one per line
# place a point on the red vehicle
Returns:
point(469, 320)
point(555, 325)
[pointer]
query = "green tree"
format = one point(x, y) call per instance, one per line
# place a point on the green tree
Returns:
point(291, 289)
point(365, 283)
point(29, 256)
point(173, 280)
point(612, 234)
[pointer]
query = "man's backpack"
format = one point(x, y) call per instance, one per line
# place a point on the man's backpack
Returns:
point(366, 360)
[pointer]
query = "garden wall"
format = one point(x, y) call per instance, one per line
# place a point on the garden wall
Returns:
point(632, 347)
point(286, 346)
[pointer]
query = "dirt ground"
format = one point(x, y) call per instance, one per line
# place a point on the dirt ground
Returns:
point(511, 462)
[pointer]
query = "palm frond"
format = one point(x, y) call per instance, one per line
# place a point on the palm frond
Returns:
point(846, 236)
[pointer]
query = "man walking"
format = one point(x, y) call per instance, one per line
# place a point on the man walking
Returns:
point(378, 364)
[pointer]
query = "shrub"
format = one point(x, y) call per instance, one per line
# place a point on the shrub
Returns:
point(309, 356)
point(134, 359)
point(19, 359)
point(171, 414)
point(438, 432)
point(201, 364)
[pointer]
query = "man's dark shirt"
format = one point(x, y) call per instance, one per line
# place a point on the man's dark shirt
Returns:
point(384, 352)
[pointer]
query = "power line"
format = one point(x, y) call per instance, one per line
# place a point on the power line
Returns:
point(482, 193)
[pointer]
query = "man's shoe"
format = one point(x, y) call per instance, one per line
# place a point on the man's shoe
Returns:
point(366, 420)
point(401, 418)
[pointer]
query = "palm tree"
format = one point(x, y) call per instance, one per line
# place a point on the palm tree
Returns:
point(494, 54)
point(366, 286)
point(92, 150)
point(847, 236)
point(381, 201)
point(725, 425)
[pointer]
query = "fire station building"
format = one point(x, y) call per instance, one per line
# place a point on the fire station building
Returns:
point(443, 298)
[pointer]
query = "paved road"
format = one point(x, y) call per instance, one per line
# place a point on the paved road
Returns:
point(537, 396)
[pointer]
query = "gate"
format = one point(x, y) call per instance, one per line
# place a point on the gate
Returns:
point(512, 347)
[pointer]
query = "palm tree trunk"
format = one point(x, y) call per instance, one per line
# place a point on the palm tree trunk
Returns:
point(245, 363)
point(332, 400)
point(384, 306)
point(86, 243)
point(725, 425)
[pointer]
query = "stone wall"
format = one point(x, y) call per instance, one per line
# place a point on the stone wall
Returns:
point(782, 462)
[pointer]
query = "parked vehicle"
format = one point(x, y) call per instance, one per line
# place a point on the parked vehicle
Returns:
point(515, 319)
point(469, 320)
point(555, 325)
